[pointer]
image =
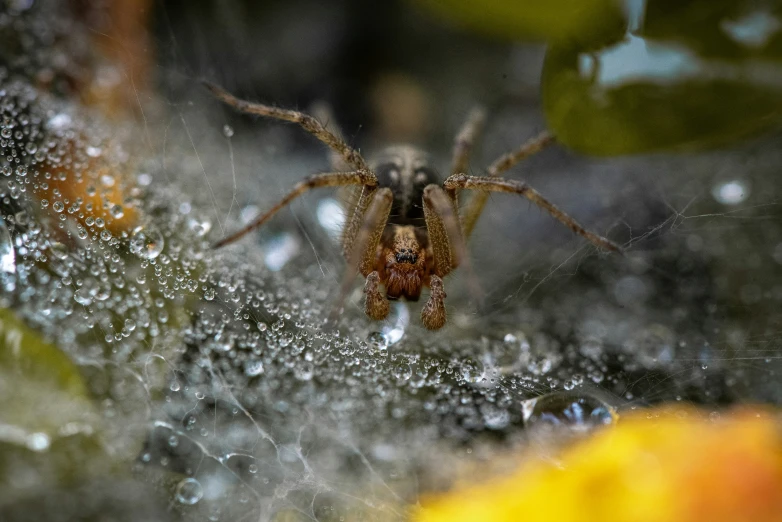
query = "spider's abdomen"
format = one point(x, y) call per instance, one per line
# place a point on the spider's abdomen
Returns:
point(406, 171)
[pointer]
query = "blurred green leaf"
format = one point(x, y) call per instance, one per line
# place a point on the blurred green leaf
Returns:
point(48, 426)
point(695, 76)
point(590, 22)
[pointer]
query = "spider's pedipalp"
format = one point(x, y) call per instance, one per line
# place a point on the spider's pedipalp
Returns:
point(305, 121)
point(363, 247)
point(433, 314)
point(331, 179)
point(376, 305)
point(495, 184)
point(445, 237)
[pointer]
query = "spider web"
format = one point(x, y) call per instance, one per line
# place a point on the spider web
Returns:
point(249, 407)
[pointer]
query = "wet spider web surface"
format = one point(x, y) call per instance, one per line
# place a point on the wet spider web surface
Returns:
point(217, 381)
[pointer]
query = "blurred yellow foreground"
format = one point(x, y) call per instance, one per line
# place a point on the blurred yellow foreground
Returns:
point(660, 465)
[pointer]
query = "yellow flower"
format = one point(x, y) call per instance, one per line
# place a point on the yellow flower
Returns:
point(664, 465)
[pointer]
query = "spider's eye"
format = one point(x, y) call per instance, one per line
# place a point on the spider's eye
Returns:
point(388, 174)
point(425, 176)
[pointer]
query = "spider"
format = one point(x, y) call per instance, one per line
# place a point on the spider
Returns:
point(404, 230)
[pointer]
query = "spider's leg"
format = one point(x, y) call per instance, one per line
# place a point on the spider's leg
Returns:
point(449, 251)
point(475, 205)
point(363, 253)
point(331, 179)
point(322, 111)
point(310, 124)
point(468, 135)
point(495, 184)
point(442, 225)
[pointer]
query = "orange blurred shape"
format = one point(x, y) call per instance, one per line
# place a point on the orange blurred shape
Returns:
point(117, 76)
point(89, 180)
point(660, 465)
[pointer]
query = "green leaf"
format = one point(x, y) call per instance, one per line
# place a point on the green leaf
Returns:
point(48, 426)
point(699, 75)
point(587, 21)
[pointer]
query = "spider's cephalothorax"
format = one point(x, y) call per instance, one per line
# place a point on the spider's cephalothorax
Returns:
point(404, 261)
point(404, 229)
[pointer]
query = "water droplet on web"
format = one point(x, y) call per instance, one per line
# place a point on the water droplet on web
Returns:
point(403, 371)
point(146, 242)
point(82, 296)
point(58, 250)
point(38, 441)
point(7, 259)
point(253, 368)
point(377, 341)
point(731, 192)
point(59, 122)
point(58, 206)
point(228, 131)
point(209, 294)
point(575, 410)
point(189, 492)
point(399, 319)
point(201, 228)
point(304, 371)
point(117, 211)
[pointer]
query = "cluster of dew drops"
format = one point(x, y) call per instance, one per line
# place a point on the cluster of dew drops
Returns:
point(68, 261)
point(70, 270)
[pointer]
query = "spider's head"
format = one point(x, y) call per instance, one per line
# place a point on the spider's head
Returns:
point(404, 263)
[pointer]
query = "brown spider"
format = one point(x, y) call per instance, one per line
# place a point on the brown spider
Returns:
point(405, 231)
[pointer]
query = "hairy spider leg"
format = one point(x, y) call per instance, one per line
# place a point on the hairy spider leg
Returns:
point(323, 113)
point(309, 123)
point(487, 184)
point(477, 202)
point(330, 179)
point(466, 138)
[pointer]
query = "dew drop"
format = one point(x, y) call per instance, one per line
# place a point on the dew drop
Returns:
point(38, 441)
point(403, 371)
point(377, 341)
point(253, 368)
point(146, 242)
point(575, 410)
point(731, 192)
point(189, 492)
point(304, 371)
point(7, 259)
